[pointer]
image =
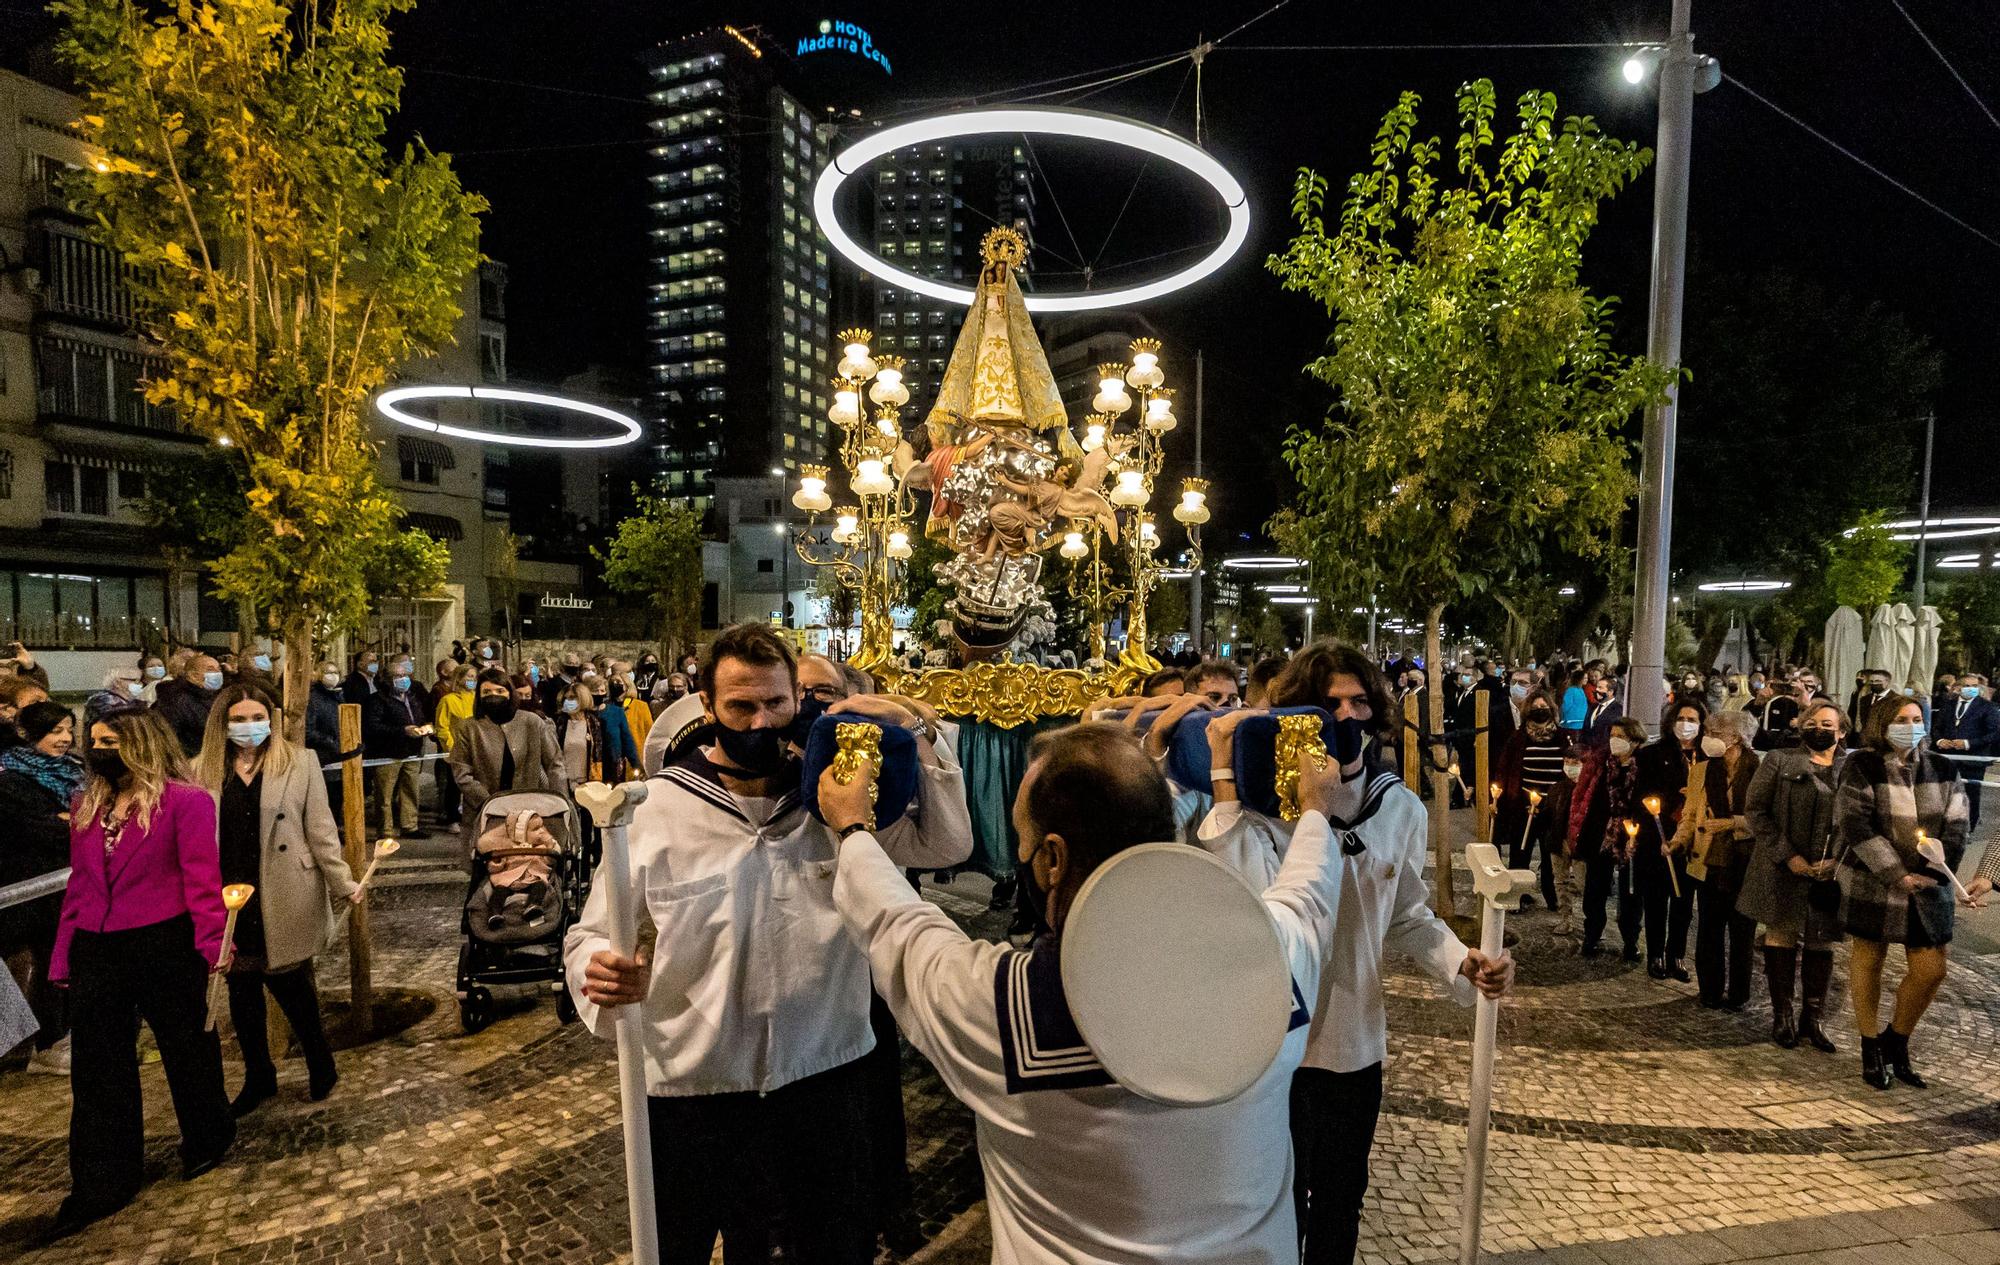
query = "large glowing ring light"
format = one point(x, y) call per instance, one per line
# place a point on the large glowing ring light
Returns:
point(386, 403)
point(1938, 528)
point(1037, 120)
point(1963, 561)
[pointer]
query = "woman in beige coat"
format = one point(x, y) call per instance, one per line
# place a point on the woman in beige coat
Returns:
point(502, 749)
point(275, 830)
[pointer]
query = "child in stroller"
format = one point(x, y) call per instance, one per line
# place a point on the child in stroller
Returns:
point(519, 899)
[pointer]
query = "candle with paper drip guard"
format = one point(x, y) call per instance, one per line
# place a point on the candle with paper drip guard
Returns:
point(384, 847)
point(1932, 850)
point(1653, 805)
point(1534, 802)
point(234, 898)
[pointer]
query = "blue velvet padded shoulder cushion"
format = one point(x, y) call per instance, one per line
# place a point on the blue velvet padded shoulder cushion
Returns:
point(1257, 755)
point(896, 779)
point(1188, 756)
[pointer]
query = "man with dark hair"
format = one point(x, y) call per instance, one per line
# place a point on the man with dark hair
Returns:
point(1166, 683)
point(1215, 682)
point(754, 998)
point(1261, 674)
point(1079, 1168)
point(1967, 724)
point(1337, 1093)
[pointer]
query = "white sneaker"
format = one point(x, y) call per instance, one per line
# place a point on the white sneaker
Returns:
point(53, 1061)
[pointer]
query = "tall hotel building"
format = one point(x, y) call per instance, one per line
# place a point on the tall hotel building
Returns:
point(738, 323)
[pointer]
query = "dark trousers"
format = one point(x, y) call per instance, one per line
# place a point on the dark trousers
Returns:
point(1667, 915)
point(117, 978)
point(1545, 832)
point(447, 792)
point(1333, 1127)
point(30, 964)
point(888, 1129)
point(1603, 875)
point(298, 999)
point(1723, 939)
point(1973, 781)
point(744, 1164)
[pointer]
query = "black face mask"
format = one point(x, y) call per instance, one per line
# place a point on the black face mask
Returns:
point(810, 710)
point(497, 710)
point(1348, 737)
point(106, 762)
point(1033, 899)
point(758, 752)
point(1817, 739)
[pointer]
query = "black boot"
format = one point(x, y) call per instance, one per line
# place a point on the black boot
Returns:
point(257, 1086)
point(1815, 973)
point(1657, 968)
point(1896, 1051)
point(1873, 1072)
point(1779, 966)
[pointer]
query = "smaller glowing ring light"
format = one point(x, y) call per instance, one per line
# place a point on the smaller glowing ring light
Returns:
point(1285, 599)
point(1963, 561)
point(1927, 528)
point(386, 403)
point(1049, 121)
point(1744, 586)
point(1262, 562)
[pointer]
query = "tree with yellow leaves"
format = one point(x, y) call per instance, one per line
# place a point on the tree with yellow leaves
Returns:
point(284, 258)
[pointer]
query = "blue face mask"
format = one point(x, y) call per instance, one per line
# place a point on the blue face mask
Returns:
point(263, 662)
point(134, 688)
point(155, 672)
point(399, 682)
point(371, 668)
point(211, 680)
point(1969, 691)
point(534, 674)
point(249, 733)
point(570, 705)
point(469, 683)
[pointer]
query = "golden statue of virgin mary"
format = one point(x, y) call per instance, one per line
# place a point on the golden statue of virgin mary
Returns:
point(998, 376)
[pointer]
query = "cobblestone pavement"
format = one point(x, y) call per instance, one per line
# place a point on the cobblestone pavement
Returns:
point(1630, 1126)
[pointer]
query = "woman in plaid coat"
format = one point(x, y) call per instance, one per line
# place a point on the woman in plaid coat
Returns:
point(1894, 796)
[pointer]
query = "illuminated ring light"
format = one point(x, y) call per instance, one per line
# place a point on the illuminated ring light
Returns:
point(1040, 121)
point(1928, 528)
point(386, 403)
point(1963, 561)
point(1744, 586)
point(1262, 562)
point(1287, 599)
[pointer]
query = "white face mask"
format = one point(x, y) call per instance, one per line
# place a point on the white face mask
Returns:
point(330, 679)
point(1713, 747)
point(1572, 770)
point(1905, 735)
point(1686, 730)
point(1621, 747)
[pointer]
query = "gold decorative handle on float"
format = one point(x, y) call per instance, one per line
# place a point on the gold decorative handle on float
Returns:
point(1298, 741)
point(858, 749)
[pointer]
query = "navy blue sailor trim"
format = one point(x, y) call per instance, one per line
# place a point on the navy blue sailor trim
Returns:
point(1040, 1047)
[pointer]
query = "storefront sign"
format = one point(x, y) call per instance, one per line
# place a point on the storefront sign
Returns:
point(843, 37)
point(570, 603)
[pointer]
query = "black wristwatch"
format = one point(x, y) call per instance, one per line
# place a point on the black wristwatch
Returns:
point(857, 828)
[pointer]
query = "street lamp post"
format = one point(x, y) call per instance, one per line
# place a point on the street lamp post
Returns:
point(1194, 579)
point(1677, 67)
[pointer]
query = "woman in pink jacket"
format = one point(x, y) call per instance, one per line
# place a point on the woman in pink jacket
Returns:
point(140, 930)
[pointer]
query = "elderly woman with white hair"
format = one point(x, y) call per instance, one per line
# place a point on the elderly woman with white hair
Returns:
point(1716, 835)
point(124, 688)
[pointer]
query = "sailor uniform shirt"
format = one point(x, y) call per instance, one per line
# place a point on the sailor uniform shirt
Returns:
point(754, 982)
point(1077, 1168)
point(1384, 906)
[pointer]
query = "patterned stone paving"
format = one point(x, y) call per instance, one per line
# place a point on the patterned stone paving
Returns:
point(1630, 1126)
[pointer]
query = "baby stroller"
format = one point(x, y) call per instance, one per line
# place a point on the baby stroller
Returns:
point(524, 893)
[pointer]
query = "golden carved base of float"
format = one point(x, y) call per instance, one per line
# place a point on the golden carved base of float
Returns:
point(1013, 694)
point(1298, 741)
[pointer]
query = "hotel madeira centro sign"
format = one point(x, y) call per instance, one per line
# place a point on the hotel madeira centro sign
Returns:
point(836, 36)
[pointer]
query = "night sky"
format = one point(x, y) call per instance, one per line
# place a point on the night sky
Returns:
point(563, 164)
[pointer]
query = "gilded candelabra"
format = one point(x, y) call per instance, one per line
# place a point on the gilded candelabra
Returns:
point(870, 536)
point(1137, 454)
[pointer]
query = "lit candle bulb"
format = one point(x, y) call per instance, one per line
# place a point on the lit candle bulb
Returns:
point(1160, 414)
point(1130, 489)
point(899, 545)
point(1652, 803)
point(1093, 436)
point(1073, 546)
point(845, 524)
point(872, 478)
point(1534, 799)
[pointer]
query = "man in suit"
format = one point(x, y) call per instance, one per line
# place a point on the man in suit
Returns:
point(394, 723)
point(1968, 725)
point(1871, 687)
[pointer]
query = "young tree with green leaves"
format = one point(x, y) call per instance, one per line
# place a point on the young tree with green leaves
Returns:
point(1865, 568)
point(655, 557)
point(1479, 399)
point(286, 261)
